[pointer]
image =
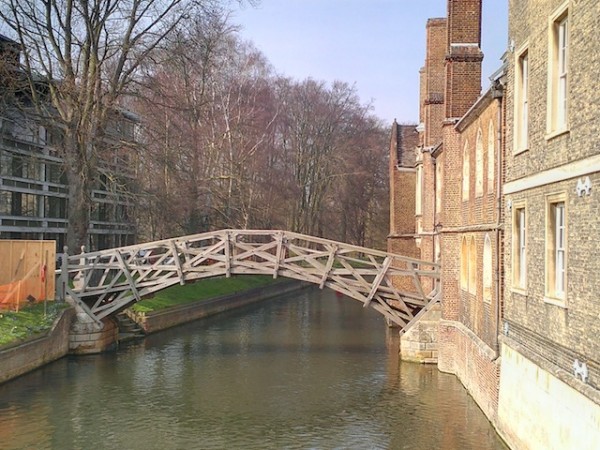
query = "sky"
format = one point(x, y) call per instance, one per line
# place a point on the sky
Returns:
point(378, 46)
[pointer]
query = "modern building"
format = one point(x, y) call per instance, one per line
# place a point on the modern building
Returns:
point(33, 183)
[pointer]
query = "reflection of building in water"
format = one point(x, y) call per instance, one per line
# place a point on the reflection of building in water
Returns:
point(33, 182)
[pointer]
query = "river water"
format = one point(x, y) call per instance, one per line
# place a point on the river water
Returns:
point(306, 371)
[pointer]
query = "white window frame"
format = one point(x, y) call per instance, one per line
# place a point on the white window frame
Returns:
point(521, 100)
point(519, 247)
point(419, 191)
point(558, 72)
point(556, 249)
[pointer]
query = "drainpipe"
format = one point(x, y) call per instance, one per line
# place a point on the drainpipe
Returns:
point(498, 93)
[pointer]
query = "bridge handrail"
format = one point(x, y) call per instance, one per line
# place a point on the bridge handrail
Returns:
point(108, 280)
point(220, 233)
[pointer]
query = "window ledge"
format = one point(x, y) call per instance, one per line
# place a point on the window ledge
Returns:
point(555, 301)
point(519, 290)
point(554, 134)
point(520, 151)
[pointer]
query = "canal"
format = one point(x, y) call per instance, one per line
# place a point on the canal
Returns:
point(309, 370)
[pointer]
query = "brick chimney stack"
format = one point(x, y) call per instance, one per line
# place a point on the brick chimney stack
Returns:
point(463, 57)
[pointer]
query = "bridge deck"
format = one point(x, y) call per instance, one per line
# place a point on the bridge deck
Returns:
point(107, 281)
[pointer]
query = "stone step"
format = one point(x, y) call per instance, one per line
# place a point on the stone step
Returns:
point(124, 337)
point(128, 329)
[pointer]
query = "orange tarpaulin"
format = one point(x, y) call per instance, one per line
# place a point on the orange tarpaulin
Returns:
point(26, 272)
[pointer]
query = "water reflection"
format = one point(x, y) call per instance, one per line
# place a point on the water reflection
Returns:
point(310, 371)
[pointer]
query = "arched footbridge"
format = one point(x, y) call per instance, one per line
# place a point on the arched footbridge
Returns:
point(105, 282)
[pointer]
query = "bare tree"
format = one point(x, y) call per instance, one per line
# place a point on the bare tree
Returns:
point(81, 60)
point(209, 122)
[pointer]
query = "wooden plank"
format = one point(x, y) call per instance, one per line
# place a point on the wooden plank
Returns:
point(83, 307)
point(279, 254)
point(128, 276)
point(330, 261)
point(382, 271)
point(177, 262)
point(227, 240)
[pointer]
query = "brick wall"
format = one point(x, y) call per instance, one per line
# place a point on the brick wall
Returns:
point(401, 240)
point(462, 353)
point(468, 329)
point(464, 21)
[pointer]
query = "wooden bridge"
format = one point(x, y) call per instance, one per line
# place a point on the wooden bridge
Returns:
point(105, 282)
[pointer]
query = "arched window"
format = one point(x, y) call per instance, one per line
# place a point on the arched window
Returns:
point(466, 170)
point(479, 164)
point(487, 269)
point(491, 159)
point(472, 266)
point(464, 265)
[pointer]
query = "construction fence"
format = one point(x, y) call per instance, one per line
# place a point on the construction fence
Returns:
point(26, 272)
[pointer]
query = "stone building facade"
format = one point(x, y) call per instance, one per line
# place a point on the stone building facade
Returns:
point(470, 218)
point(418, 173)
point(550, 385)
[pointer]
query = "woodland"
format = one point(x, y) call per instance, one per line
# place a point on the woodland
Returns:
point(220, 139)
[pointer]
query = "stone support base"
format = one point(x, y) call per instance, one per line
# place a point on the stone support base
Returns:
point(541, 407)
point(420, 342)
point(85, 338)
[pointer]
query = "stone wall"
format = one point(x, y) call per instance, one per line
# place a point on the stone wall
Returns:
point(541, 407)
point(85, 338)
point(19, 359)
point(464, 354)
point(419, 343)
point(161, 320)
point(551, 333)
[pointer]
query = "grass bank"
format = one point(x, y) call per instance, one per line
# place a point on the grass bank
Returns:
point(202, 290)
point(32, 320)
point(29, 321)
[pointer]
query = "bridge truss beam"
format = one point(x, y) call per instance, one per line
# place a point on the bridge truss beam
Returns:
point(108, 281)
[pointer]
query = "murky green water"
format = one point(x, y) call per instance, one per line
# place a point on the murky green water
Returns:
point(305, 371)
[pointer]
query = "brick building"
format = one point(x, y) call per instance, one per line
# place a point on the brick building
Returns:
point(550, 385)
point(516, 218)
point(413, 173)
point(402, 190)
point(458, 216)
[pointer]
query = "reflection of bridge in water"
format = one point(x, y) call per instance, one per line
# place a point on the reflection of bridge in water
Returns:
point(108, 281)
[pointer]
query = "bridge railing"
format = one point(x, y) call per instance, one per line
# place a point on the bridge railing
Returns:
point(104, 282)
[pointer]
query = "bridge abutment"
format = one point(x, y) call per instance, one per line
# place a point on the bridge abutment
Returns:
point(86, 338)
point(419, 343)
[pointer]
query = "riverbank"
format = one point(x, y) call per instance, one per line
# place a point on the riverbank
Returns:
point(161, 319)
point(18, 358)
point(29, 353)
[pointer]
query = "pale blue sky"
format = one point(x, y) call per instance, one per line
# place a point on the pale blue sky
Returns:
point(377, 45)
